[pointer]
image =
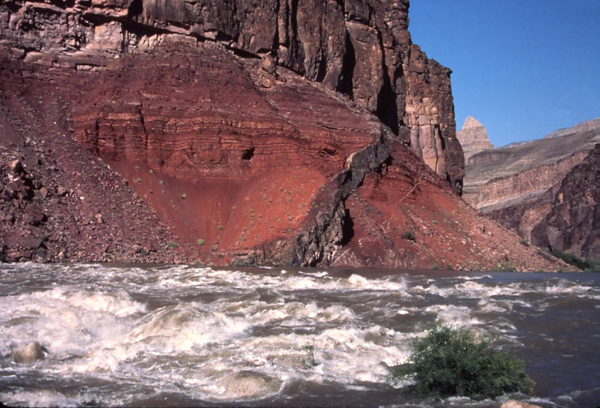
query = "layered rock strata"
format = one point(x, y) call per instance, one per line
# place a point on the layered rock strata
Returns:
point(361, 49)
point(473, 138)
point(589, 125)
point(546, 189)
point(230, 153)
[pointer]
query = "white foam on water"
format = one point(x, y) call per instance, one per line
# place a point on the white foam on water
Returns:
point(474, 277)
point(566, 287)
point(65, 321)
point(454, 316)
point(320, 274)
point(247, 342)
point(296, 314)
point(302, 281)
point(174, 329)
point(341, 355)
point(352, 355)
point(468, 289)
point(39, 398)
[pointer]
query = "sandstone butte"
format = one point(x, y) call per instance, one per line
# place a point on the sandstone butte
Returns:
point(473, 138)
point(546, 190)
point(241, 132)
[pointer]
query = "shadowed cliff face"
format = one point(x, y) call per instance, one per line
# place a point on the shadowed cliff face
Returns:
point(573, 222)
point(258, 133)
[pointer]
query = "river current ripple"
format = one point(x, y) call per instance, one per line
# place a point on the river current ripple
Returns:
point(198, 336)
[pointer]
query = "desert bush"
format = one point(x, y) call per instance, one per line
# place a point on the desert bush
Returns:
point(505, 267)
point(587, 265)
point(451, 362)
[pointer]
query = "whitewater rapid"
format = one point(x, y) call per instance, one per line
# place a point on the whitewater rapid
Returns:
point(183, 335)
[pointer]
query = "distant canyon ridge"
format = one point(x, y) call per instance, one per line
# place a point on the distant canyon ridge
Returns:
point(547, 190)
point(237, 132)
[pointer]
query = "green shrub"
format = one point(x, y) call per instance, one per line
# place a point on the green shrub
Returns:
point(587, 265)
point(592, 266)
point(505, 267)
point(172, 244)
point(200, 242)
point(451, 362)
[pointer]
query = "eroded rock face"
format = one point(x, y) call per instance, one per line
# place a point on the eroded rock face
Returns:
point(473, 138)
point(573, 221)
point(214, 150)
point(359, 48)
point(546, 189)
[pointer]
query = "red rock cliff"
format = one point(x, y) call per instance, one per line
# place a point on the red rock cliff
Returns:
point(258, 132)
point(359, 48)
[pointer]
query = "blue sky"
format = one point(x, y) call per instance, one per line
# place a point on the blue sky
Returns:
point(523, 68)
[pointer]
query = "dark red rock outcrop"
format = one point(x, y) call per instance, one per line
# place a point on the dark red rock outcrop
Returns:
point(247, 160)
point(58, 202)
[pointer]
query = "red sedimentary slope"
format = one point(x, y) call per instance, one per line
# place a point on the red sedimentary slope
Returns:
point(232, 159)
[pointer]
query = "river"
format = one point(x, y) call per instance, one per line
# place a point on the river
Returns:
point(199, 336)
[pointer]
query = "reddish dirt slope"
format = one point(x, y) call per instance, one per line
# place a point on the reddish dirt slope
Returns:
point(207, 157)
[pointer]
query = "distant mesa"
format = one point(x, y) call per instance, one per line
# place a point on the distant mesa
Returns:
point(582, 127)
point(473, 138)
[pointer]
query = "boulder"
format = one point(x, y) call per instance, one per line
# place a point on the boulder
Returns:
point(29, 353)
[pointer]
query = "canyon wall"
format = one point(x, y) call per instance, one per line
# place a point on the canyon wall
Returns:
point(359, 48)
point(243, 133)
point(546, 189)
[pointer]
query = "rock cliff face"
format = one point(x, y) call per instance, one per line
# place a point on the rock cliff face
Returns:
point(573, 222)
point(247, 133)
point(473, 138)
point(359, 48)
point(546, 189)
